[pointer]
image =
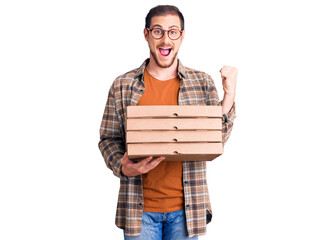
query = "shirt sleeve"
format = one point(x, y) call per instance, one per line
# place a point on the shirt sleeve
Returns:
point(227, 123)
point(111, 144)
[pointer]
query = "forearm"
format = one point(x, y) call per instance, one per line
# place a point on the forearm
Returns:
point(112, 143)
point(112, 151)
point(229, 80)
point(230, 115)
point(227, 102)
point(228, 108)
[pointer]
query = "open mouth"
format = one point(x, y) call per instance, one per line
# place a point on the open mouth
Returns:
point(165, 51)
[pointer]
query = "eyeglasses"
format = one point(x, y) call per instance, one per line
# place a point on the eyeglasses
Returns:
point(158, 33)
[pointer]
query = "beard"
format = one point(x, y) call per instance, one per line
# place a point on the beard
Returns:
point(167, 65)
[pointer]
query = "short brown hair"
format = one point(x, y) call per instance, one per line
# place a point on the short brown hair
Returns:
point(162, 10)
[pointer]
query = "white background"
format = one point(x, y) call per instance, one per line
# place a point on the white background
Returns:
point(276, 179)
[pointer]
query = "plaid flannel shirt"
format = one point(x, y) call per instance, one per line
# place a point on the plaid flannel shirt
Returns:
point(196, 88)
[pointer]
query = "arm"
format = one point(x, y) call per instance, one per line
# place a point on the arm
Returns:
point(228, 104)
point(111, 144)
point(229, 81)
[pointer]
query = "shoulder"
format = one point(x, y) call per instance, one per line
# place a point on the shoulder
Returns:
point(128, 76)
point(122, 80)
point(193, 75)
point(127, 79)
point(195, 72)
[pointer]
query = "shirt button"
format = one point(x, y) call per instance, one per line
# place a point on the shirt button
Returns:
point(140, 204)
point(186, 181)
point(187, 205)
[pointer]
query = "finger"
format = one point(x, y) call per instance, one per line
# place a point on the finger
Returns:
point(226, 71)
point(123, 159)
point(160, 159)
point(227, 66)
point(126, 161)
point(156, 161)
point(144, 161)
point(152, 164)
point(226, 74)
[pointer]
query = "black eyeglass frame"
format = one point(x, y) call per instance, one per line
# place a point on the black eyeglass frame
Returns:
point(150, 30)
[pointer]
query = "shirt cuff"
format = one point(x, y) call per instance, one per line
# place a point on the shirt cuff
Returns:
point(230, 115)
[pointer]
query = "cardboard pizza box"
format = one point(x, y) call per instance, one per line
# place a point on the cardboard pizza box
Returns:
point(173, 136)
point(176, 151)
point(179, 133)
point(172, 111)
point(174, 124)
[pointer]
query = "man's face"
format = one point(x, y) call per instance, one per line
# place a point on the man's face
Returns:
point(164, 50)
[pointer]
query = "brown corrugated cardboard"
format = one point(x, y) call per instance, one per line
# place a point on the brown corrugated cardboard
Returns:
point(173, 136)
point(179, 133)
point(173, 111)
point(174, 124)
point(177, 151)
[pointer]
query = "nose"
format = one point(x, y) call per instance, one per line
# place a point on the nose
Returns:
point(165, 40)
point(165, 36)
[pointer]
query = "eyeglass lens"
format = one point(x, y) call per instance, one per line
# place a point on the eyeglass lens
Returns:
point(172, 33)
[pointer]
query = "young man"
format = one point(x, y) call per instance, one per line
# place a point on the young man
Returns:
point(162, 199)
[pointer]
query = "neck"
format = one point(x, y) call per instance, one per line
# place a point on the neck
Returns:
point(161, 73)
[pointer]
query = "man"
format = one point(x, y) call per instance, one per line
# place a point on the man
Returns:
point(162, 199)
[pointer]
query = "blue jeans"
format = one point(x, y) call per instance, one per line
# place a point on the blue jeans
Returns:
point(163, 226)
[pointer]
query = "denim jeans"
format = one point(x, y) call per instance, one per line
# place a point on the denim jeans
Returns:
point(163, 226)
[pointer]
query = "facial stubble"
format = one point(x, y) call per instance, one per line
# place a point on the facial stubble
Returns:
point(158, 62)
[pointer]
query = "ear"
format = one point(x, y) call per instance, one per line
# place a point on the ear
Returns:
point(146, 34)
point(182, 36)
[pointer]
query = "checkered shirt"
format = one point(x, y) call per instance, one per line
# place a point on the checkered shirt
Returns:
point(196, 88)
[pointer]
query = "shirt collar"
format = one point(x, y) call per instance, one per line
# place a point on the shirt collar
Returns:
point(181, 70)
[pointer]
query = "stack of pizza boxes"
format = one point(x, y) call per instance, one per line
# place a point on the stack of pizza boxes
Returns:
point(179, 133)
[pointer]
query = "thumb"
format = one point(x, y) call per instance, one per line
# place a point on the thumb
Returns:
point(124, 159)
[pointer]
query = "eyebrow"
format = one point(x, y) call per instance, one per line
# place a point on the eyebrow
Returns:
point(158, 25)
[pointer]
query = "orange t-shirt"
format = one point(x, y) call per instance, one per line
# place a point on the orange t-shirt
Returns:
point(162, 186)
